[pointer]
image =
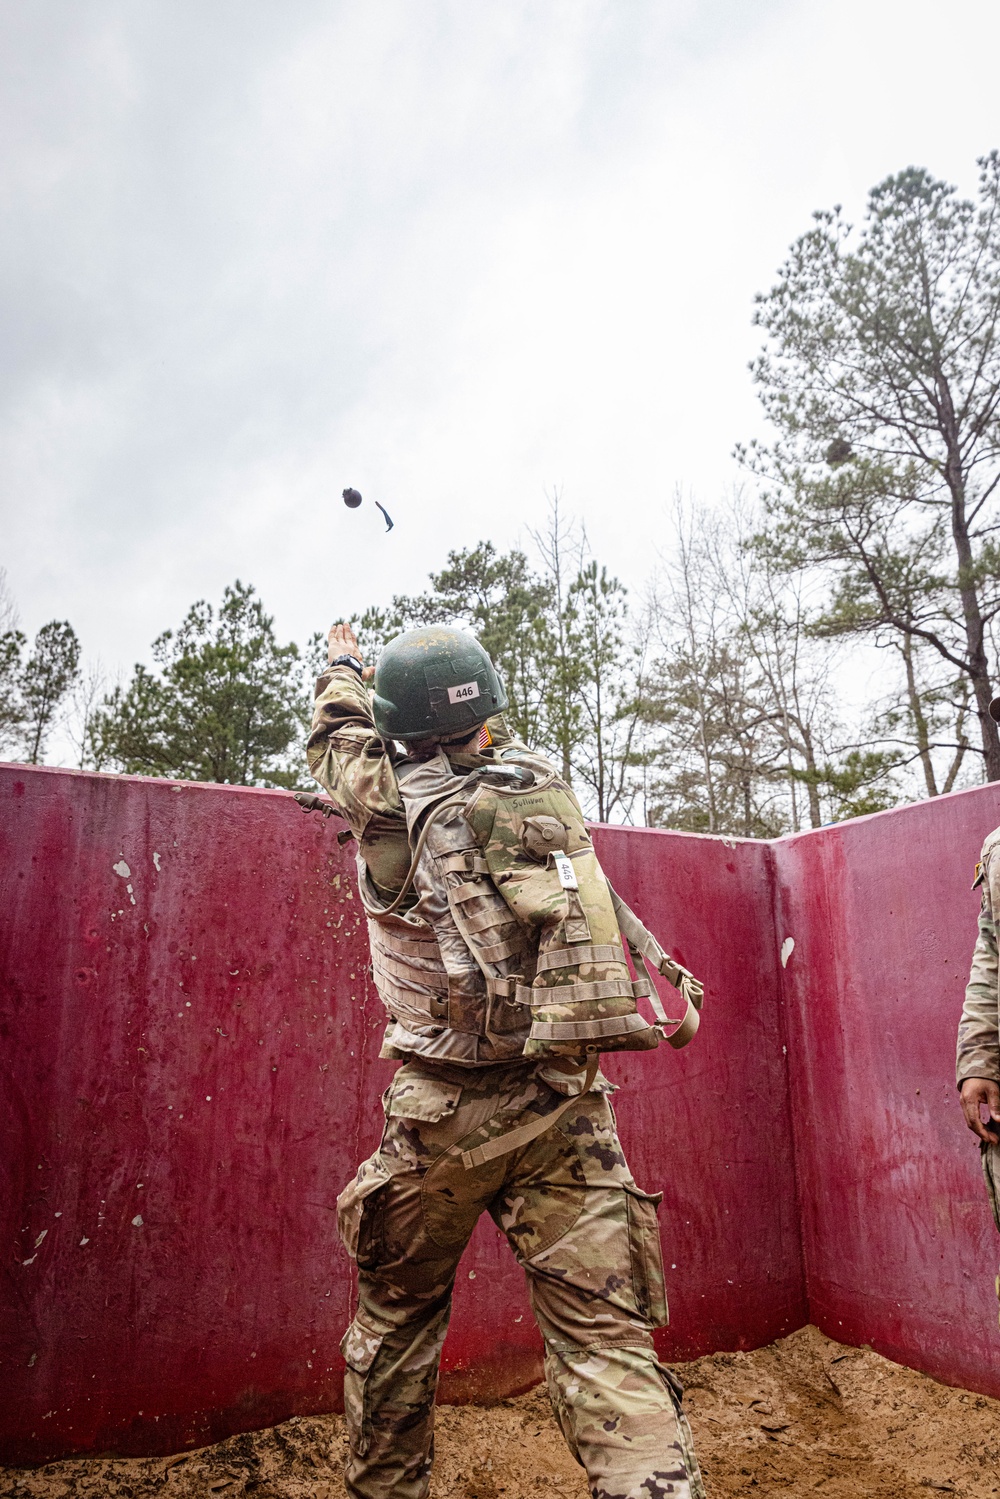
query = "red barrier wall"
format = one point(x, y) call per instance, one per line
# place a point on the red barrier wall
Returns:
point(184, 1005)
point(900, 1247)
point(710, 1126)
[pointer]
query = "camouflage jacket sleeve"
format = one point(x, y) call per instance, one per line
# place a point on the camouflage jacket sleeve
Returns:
point(356, 768)
point(979, 1028)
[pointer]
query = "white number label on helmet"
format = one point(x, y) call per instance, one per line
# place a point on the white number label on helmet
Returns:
point(463, 694)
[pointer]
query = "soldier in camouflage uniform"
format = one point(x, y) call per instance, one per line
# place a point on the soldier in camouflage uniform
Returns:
point(978, 1065)
point(495, 1108)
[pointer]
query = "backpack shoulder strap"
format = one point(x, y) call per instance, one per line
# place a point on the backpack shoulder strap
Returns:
point(643, 945)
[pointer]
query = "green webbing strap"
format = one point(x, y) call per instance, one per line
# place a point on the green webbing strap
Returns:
point(514, 1139)
point(495, 952)
point(588, 1030)
point(467, 862)
point(567, 957)
point(467, 891)
point(574, 994)
point(642, 944)
point(501, 988)
point(688, 1027)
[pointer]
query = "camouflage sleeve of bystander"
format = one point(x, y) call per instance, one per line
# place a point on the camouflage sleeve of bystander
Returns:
point(979, 1028)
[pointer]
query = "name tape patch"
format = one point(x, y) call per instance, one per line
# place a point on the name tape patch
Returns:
point(463, 693)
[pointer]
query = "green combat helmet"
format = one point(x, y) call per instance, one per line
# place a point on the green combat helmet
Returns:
point(434, 684)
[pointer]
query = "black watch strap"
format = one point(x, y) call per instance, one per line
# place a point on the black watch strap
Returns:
point(351, 661)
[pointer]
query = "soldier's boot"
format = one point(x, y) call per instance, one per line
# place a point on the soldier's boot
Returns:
point(389, 1387)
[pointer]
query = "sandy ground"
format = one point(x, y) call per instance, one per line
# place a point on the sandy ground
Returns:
point(802, 1416)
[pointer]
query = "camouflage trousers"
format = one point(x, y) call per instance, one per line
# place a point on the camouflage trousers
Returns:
point(588, 1241)
point(991, 1171)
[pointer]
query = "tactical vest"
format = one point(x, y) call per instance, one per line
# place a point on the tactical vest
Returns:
point(516, 935)
point(430, 963)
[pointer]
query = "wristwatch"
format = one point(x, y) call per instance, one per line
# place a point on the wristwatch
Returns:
point(351, 661)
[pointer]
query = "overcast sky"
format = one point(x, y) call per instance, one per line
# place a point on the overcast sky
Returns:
point(452, 252)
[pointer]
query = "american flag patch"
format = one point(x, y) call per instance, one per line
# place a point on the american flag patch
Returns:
point(485, 737)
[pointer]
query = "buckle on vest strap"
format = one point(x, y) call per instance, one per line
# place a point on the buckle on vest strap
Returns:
point(505, 988)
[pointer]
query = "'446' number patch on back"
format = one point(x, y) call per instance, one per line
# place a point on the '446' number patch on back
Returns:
point(463, 693)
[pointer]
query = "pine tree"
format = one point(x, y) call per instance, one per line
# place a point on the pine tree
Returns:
point(881, 375)
point(226, 704)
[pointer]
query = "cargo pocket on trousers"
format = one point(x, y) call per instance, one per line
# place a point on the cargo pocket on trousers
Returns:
point(359, 1346)
point(648, 1285)
point(991, 1171)
point(426, 1099)
point(361, 1213)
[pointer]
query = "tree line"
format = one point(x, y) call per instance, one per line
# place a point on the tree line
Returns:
point(726, 697)
point(225, 701)
point(35, 680)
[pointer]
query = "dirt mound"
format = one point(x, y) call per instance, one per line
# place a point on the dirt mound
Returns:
point(807, 1414)
point(804, 1415)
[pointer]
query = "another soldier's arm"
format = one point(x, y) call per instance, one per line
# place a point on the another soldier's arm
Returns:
point(978, 1065)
